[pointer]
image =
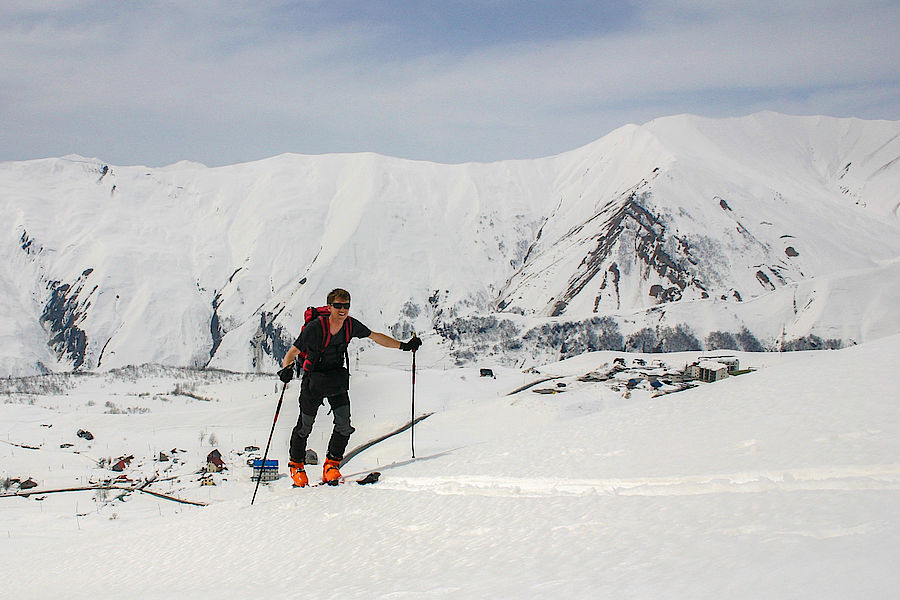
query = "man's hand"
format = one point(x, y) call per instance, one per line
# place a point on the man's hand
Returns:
point(286, 374)
point(413, 344)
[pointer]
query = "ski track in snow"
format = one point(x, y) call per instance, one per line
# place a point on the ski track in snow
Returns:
point(858, 478)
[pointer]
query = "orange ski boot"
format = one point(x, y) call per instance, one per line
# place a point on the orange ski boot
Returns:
point(298, 474)
point(330, 472)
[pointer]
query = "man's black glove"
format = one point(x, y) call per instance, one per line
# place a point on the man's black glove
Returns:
point(286, 374)
point(412, 344)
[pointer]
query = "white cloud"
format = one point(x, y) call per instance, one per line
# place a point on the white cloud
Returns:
point(248, 82)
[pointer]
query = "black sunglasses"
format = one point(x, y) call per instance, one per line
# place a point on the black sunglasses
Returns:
point(341, 305)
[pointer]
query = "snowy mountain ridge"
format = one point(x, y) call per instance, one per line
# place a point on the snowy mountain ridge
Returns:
point(674, 235)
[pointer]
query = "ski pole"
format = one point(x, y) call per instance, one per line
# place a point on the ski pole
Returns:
point(412, 428)
point(262, 465)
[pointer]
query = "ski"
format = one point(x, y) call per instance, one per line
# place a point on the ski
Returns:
point(371, 443)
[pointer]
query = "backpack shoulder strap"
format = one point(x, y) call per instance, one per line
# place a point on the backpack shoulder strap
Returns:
point(348, 328)
point(326, 332)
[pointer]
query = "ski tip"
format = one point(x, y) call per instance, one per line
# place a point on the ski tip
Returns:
point(370, 478)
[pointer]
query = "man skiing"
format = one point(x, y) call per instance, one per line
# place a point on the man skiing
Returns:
point(325, 341)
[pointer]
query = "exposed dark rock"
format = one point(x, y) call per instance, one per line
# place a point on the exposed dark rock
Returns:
point(215, 326)
point(216, 330)
point(61, 315)
point(650, 240)
point(776, 271)
point(26, 242)
point(671, 294)
point(270, 340)
point(764, 280)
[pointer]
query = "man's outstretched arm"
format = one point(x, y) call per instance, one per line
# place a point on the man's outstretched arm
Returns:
point(389, 342)
point(384, 340)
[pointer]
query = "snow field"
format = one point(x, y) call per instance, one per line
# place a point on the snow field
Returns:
point(782, 483)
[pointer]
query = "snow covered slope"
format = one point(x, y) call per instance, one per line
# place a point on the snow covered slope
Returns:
point(780, 483)
point(697, 208)
point(751, 223)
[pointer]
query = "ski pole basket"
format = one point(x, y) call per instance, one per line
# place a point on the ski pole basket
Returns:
point(265, 472)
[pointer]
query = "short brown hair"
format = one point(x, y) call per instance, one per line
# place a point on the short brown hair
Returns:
point(338, 293)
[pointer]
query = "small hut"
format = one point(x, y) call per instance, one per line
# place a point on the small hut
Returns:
point(214, 462)
point(122, 463)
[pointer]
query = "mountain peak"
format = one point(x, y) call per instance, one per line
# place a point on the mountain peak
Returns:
point(756, 224)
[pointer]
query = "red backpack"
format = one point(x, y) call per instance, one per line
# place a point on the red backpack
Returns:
point(321, 313)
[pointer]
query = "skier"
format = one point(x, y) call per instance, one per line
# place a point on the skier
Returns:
point(324, 376)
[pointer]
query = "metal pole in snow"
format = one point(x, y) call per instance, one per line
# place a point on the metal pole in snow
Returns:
point(262, 465)
point(412, 428)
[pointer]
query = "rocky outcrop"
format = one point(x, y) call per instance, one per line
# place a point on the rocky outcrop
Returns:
point(63, 312)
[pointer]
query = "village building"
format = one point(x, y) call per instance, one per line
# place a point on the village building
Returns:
point(265, 472)
point(708, 371)
point(214, 462)
point(732, 362)
point(712, 368)
point(122, 463)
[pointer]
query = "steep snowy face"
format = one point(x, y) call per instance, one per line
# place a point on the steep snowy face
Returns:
point(107, 266)
point(727, 210)
point(186, 265)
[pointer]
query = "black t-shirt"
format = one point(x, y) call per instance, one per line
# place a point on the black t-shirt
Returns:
point(332, 356)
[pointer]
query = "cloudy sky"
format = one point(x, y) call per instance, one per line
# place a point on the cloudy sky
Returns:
point(224, 81)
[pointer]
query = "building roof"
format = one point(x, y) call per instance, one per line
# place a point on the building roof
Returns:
point(215, 457)
point(711, 365)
